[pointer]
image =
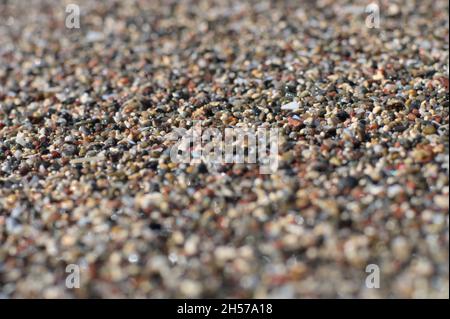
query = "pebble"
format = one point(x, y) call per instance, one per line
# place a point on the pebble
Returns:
point(292, 106)
point(86, 176)
point(429, 129)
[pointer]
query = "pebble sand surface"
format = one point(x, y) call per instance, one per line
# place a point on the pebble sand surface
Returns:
point(86, 177)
